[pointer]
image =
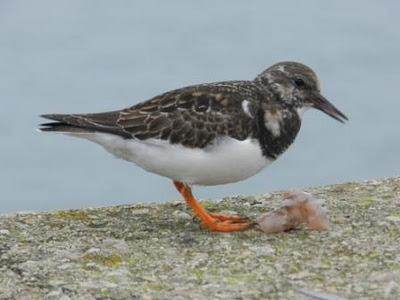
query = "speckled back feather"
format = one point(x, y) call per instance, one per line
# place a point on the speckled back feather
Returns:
point(192, 116)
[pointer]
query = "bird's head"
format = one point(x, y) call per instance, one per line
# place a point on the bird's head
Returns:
point(298, 86)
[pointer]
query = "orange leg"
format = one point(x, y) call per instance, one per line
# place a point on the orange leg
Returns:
point(214, 222)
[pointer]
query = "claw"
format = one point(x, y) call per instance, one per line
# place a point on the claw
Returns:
point(212, 221)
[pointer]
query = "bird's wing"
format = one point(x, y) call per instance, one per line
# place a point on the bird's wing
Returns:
point(84, 123)
point(192, 116)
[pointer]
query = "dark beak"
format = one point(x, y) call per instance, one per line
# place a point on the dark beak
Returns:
point(319, 102)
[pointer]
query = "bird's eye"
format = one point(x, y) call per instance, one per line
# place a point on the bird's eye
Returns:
point(299, 82)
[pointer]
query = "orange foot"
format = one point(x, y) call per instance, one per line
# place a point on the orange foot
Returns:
point(212, 221)
point(222, 217)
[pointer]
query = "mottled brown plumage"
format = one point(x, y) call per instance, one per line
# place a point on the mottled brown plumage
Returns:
point(192, 116)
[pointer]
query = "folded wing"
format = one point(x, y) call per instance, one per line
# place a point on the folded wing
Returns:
point(192, 116)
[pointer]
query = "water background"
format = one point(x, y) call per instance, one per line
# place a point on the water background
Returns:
point(92, 56)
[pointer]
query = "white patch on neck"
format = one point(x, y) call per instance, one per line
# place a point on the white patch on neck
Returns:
point(284, 92)
point(302, 110)
point(281, 68)
point(272, 122)
point(245, 107)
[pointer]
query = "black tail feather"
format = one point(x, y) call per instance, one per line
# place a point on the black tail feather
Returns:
point(62, 127)
point(55, 117)
point(78, 123)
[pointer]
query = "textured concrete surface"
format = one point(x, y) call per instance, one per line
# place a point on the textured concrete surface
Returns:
point(159, 252)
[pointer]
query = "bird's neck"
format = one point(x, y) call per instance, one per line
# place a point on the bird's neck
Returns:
point(276, 134)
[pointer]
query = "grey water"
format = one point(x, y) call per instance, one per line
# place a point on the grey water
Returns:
point(92, 56)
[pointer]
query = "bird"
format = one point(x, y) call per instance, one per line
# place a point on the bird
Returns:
point(207, 134)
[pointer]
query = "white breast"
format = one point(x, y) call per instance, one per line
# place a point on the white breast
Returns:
point(226, 161)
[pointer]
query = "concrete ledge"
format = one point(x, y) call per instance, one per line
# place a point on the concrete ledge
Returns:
point(158, 252)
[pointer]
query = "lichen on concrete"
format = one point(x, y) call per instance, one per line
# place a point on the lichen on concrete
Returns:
point(158, 251)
